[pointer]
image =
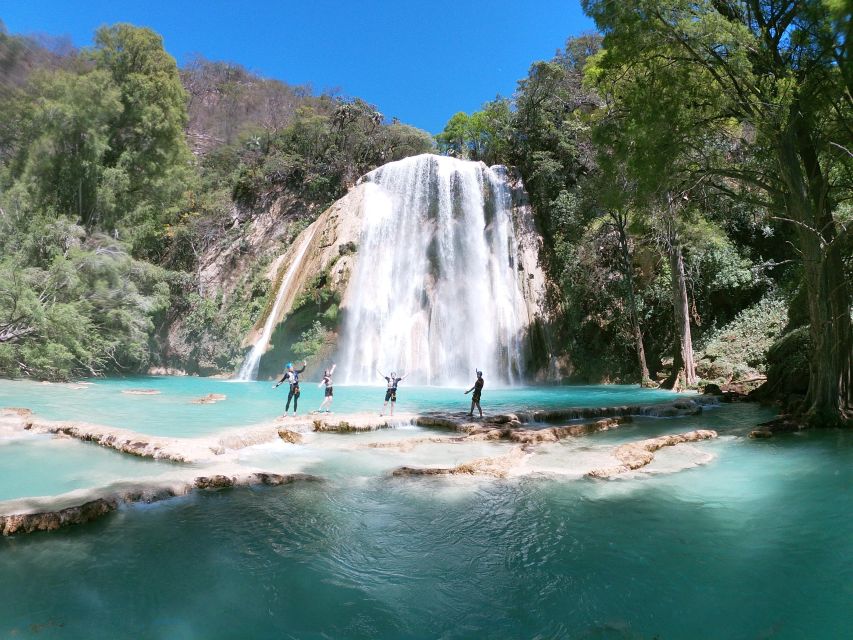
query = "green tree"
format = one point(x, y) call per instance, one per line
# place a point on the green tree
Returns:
point(64, 125)
point(754, 97)
point(148, 159)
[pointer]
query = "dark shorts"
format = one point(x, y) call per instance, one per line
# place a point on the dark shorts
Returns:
point(329, 393)
point(294, 390)
point(475, 397)
point(391, 394)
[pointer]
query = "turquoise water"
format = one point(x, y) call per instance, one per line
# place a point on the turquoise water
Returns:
point(46, 466)
point(171, 412)
point(756, 544)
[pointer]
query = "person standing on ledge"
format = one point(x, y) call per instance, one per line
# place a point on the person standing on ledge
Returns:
point(477, 389)
point(327, 382)
point(391, 391)
point(292, 377)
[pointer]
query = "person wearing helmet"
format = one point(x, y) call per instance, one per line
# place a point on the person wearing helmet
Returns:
point(292, 377)
point(477, 389)
point(391, 390)
point(327, 382)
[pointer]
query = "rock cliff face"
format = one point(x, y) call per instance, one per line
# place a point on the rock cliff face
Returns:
point(430, 296)
point(323, 270)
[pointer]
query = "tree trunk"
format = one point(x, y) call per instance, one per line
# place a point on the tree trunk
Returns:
point(621, 223)
point(829, 401)
point(683, 372)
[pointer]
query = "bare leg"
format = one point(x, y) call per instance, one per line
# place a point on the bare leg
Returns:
point(471, 412)
point(384, 406)
point(478, 408)
point(393, 402)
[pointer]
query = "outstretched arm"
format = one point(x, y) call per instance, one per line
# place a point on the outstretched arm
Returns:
point(469, 390)
point(380, 373)
point(405, 376)
point(280, 381)
point(304, 364)
point(332, 370)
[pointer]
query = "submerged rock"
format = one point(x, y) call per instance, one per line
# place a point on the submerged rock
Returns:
point(141, 392)
point(210, 398)
point(496, 466)
point(635, 455)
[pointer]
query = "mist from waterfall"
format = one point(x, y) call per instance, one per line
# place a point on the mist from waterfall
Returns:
point(435, 291)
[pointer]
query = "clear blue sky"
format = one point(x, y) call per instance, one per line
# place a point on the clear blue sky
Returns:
point(420, 61)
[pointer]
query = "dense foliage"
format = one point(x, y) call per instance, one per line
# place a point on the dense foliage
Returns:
point(122, 178)
point(689, 162)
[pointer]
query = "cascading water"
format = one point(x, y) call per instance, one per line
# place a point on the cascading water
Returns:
point(435, 291)
point(249, 368)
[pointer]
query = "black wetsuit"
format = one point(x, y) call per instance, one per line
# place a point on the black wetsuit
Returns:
point(391, 391)
point(293, 394)
point(478, 388)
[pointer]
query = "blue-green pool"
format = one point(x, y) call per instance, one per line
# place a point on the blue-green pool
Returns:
point(46, 466)
point(754, 542)
point(171, 412)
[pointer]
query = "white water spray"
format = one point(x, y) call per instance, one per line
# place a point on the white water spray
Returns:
point(436, 289)
point(249, 368)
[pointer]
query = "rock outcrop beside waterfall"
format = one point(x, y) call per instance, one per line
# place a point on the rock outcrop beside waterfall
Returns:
point(330, 255)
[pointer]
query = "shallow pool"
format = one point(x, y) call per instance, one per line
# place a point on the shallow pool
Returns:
point(170, 410)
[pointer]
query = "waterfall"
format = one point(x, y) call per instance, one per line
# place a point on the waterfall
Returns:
point(435, 291)
point(249, 368)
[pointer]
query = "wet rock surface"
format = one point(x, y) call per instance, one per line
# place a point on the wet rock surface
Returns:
point(635, 455)
point(461, 422)
point(50, 520)
point(495, 466)
point(782, 424)
point(347, 423)
point(291, 437)
point(210, 398)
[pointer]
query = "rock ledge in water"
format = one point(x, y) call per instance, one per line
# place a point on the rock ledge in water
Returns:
point(496, 466)
point(460, 421)
point(354, 422)
point(28, 522)
point(635, 455)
